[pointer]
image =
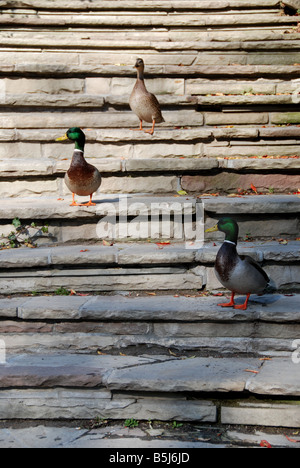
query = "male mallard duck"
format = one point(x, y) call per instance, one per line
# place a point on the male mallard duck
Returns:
point(239, 274)
point(142, 103)
point(82, 178)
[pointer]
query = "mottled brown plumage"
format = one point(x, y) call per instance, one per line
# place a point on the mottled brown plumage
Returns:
point(144, 104)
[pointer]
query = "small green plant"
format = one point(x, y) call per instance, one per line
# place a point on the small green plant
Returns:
point(131, 423)
point(23, 235)
point(176, 425)
point(62, 292)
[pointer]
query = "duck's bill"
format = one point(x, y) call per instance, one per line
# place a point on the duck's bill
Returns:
point(62, 138)
point(213, 229)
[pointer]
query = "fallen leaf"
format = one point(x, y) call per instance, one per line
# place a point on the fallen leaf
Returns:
point(122, 354)
point(253, 371)
point(172, 354)
point(265, 443)
point(162, 244)
point(182, 192)
point(151, 293)
point(292, 440)
point(84, 250)
point(253, 188)
point(72, 292)
point(109, 244)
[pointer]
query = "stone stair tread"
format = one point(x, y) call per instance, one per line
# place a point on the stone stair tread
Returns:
point(22, 168)
point(277, 308)
point(55, 65)
point(141, 253)
point(152, 374)
point(51, 207)
point(99, 101)
point(134, 4)
point(166, 135)
point(151, 19)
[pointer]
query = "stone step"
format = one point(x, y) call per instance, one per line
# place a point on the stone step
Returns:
point(156, 5)
point(150, 388)
point(20, 41)
point(140, 19)
point(184, 323)
point(51, 65)
point(128, 217)
point(159, 266)
point(217, 39)
point(96, 101)
point(156, 176)
point(110, 87)
point(17, 60)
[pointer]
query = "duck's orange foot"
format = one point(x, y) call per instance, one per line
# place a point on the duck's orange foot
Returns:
point(243, 306)
point(149, 131)
point(88, 204)
point(229, 304)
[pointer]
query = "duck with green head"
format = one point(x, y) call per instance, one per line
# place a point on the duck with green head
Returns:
point(82, 178)
point(239, 274)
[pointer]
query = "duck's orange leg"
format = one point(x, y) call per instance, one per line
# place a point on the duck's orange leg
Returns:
point(151, 131)
point(243, 306)
point(73, 202)
point(89, 203)
point(138, 129)
point(229, 304)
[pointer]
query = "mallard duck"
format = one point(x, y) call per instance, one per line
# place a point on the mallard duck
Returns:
point(142, 103)
point(239, 274)
point(82, 178)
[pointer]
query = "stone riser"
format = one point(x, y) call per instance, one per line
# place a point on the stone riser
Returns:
point(107, 324)
point(124, 384)
point(225, 182)
point(126, 218)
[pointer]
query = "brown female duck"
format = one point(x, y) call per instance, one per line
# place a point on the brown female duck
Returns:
point(82, 178)
point(142, 103)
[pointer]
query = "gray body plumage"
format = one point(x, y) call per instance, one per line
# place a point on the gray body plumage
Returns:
point(240, 274)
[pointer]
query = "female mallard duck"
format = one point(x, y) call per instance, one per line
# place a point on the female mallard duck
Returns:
point(239, 274)
point(142, 103)
point(82, 178)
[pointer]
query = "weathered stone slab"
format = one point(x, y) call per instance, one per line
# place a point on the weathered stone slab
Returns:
point(88, 404)
point(62, 370)
point(236, 118)
point(277, 377)
point(272, 308)
point(146, 5)
point(273, 415)
point(261, 204)
point(49, 307)
point(199, 374)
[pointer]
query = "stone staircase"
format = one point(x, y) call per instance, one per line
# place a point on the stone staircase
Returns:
point(114, 315)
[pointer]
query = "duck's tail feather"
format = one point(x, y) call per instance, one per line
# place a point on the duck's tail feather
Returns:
point(271, 287)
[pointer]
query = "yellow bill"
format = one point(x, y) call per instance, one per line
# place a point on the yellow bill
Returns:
point(213, 229)
point(62, 138)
